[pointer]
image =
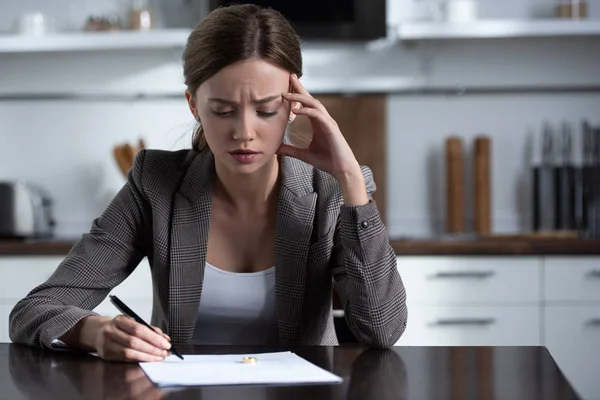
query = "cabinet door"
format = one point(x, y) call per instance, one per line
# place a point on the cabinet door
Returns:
point(572, 279)
point(22, 274)
point(472, 326)
point(572, 335)
point(4, 313)
point(471, 280)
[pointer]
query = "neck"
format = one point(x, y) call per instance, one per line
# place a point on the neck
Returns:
point(248, 194)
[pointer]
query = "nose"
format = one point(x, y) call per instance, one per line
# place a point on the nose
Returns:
point(244, 130)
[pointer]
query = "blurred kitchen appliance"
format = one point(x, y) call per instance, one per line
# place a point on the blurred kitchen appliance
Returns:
point(459, 11)
point(25, 211)
point(332, 19)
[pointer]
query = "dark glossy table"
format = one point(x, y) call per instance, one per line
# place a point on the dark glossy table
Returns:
point(401, 373)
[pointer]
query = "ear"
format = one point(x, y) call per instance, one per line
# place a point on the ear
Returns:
point(192, 104)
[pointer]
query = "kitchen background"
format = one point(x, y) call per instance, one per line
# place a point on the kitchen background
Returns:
point(61, 112)
point(475, 67)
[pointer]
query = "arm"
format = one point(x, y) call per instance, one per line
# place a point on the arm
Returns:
point(101, 260)
point(365, 273)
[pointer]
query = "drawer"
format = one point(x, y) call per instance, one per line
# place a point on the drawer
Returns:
point(22, 274)
point(472, 326)
point(475, 280)
point(569, 279)
point(4, 313)
point(572, 336)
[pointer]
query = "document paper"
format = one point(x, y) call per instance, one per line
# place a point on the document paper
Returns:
point(228, 369)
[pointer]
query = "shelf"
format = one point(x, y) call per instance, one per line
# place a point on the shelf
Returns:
point(177, 38)
point(498, 29)
point(94, 41)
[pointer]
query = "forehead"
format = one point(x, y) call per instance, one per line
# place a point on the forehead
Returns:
point(255, 78)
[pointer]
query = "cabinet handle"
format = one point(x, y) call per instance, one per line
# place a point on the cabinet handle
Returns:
point(465, 321)
point(465, 274)
point(594, 322)
point(595, 273)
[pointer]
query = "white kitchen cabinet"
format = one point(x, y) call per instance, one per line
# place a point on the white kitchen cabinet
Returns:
point(4, 313)
point(22, 274)
point(572, 279)
point(442, 281)
point(472, 326)
point(572, 335)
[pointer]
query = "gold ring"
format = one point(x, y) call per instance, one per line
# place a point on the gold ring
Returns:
point(249, 360)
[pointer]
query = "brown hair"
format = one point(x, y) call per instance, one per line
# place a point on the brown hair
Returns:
point(235, 33)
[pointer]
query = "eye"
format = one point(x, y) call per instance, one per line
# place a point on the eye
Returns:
point(267, 114)
point(222, 113)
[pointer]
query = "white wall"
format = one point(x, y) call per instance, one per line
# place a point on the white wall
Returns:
point(66, 144)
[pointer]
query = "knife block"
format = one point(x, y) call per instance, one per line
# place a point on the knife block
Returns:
point(544, 208)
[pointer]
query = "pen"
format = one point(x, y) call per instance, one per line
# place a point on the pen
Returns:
point(129, 312)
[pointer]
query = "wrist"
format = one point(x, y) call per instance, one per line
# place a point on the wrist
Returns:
point(353, 187)
point(83, 334)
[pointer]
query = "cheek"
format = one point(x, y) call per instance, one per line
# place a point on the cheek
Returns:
point(215, 128)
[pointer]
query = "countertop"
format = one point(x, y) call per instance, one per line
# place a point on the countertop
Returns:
point(500, 246)
point(399, 373)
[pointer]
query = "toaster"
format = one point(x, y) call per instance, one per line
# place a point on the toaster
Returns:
point(25, 211)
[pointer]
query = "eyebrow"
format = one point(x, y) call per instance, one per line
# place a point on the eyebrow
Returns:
point(259, 101)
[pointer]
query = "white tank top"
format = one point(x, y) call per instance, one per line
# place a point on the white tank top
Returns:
point(237, 308)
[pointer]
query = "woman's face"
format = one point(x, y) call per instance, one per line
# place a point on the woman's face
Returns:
point(243, 113)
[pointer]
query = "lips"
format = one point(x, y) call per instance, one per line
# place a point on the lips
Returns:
point(244, 156)
point(242, 151)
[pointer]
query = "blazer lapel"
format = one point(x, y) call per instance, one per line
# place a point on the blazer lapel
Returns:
point(295, 215)
point(189, 237)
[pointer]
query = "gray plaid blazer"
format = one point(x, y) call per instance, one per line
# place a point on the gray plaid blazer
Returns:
point(163, 213)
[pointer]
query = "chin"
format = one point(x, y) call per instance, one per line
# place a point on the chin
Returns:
point(251, 167)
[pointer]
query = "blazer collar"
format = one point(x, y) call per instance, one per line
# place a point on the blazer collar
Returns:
point(296, 176)
point(189, 236)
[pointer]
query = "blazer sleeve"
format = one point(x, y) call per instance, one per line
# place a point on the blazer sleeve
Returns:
point(98, 262)
point(365, 274)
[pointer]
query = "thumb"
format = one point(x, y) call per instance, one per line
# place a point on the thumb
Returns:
point(291, 151)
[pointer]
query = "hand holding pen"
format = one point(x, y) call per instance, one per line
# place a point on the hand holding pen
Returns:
point(132, 339)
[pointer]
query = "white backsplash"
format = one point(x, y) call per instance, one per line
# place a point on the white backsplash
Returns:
point(66, 145)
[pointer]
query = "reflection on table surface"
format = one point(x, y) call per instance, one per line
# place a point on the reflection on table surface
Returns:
point(398, 373)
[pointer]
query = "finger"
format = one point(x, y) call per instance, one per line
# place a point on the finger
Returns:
point(306, 101)
point(132, 355)
point(315, 114)
point(135, 329)
point(297, 85)
point(291, 151)
point(126, 340)
point(140, 331)
point(157, 329)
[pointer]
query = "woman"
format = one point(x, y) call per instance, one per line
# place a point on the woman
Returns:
point(246, 234)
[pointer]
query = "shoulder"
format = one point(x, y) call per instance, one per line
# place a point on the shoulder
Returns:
point(157, 171)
